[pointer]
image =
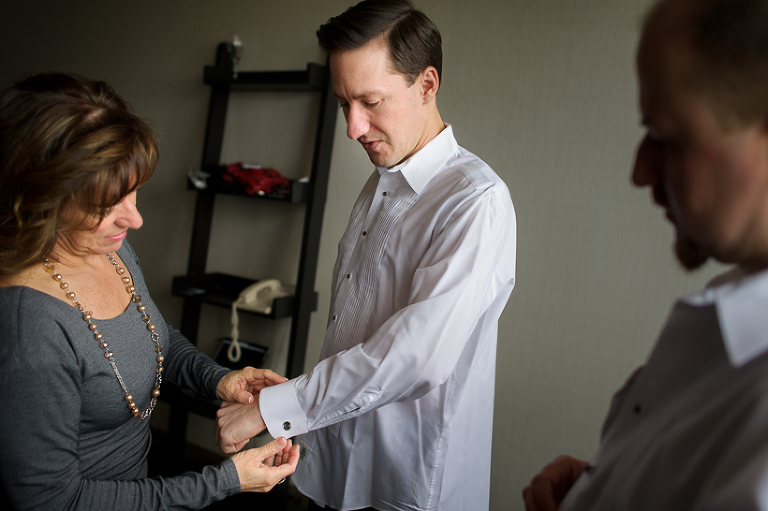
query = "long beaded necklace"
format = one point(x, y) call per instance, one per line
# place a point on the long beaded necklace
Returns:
point(88, 318)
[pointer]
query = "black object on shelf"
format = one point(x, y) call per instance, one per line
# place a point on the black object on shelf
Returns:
point(251, 354)
point(198, 287)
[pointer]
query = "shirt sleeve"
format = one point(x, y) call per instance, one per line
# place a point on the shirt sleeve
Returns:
point(185, 365)
point(189, 368)
point(469, 265)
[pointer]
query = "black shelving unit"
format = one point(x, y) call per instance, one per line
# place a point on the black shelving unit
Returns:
point(197, 286)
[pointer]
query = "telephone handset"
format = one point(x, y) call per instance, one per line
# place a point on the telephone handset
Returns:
point(257, 297)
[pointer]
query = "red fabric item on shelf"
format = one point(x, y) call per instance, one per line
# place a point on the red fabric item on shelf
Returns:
point(255, 179)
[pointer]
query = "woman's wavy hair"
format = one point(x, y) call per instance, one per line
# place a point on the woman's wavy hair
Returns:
point(70, 149)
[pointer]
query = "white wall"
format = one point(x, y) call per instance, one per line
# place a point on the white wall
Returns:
point(542, 90)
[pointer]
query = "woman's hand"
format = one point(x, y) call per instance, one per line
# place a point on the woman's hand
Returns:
point(261, 468)
point(240, 386)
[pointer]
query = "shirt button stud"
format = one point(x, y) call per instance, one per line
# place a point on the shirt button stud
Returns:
point(286, 425)
point(365, 233)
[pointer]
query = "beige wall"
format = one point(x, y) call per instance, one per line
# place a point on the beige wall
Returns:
point(542, 90)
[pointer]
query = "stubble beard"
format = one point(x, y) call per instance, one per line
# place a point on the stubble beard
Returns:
point(690, 254)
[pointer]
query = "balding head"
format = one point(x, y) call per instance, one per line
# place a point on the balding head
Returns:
point(727, 42)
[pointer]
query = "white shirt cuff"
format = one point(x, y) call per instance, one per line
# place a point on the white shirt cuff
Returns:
point(281, 412)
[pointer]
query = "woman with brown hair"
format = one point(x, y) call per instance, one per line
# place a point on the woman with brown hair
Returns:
point(83, 348)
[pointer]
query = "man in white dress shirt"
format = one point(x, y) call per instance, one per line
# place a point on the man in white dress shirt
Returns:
point(689, 430)
point(406, 378)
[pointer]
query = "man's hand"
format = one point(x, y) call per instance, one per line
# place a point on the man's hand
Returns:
point(260, 469)
point(241, 386)
point(548, 487)
point(236, 423)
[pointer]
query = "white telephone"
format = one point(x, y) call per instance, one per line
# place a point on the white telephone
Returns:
point(257, 297)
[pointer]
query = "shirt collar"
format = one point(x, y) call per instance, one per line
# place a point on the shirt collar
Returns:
point(420, 168)
point(740, 300)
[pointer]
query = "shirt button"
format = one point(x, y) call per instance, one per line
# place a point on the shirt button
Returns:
point(334, 317)
point(365, 233)
point(349, 275)
point(286, 425)
point(384, 194)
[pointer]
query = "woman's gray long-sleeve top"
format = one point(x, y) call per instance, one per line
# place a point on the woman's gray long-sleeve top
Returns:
point(67, 437)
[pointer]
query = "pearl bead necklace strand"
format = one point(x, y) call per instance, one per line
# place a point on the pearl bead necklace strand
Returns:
point(108, 354)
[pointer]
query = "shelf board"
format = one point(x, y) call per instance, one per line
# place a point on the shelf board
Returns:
point(296, 192)
point(222, 290)
point(311, 79)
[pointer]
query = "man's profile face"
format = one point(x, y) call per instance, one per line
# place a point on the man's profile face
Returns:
point(383, 113)
point(712, 180)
